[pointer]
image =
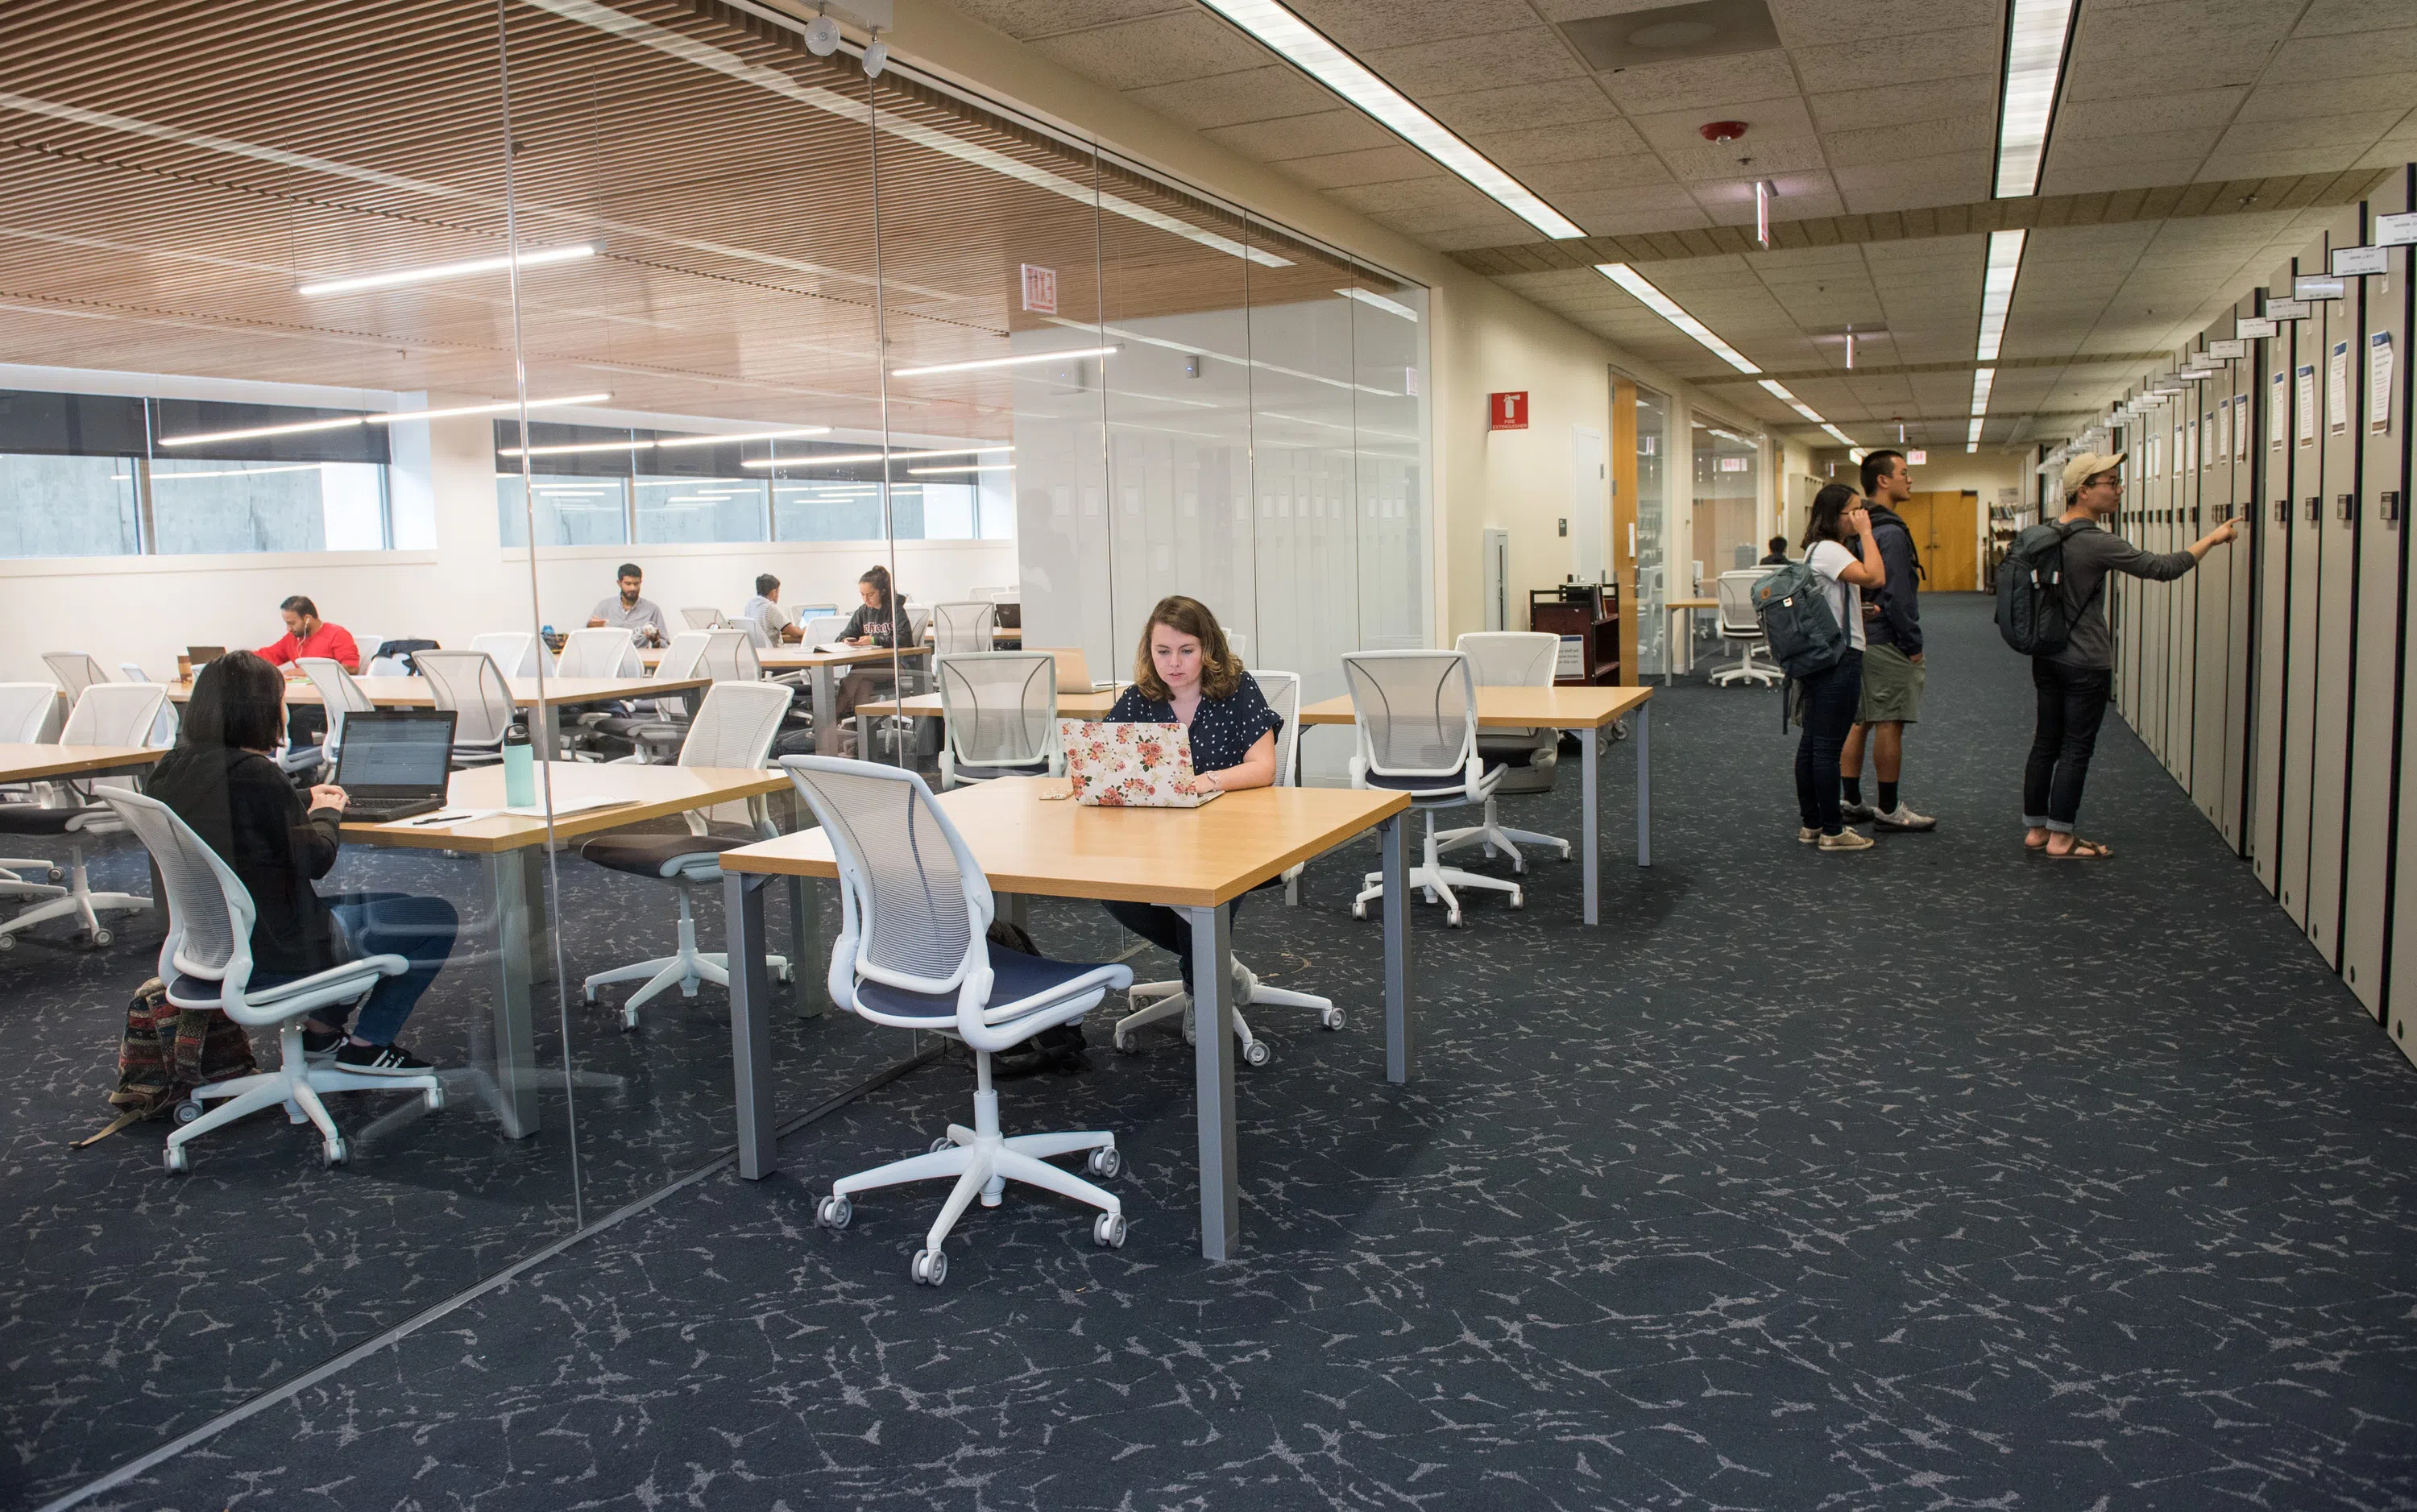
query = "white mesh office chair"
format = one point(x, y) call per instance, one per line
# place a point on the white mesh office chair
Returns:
point(338, 696)
point(822, 629)
point(24, 709)
point(516, 653)
point(107, 714)
point(963, 628)
point(728, 658)
point(1240, 645)
point(655, 727)
point(470, 683)
point(1154, 1000)
point(604, 651)
point(702, 619)
point(912, 953)
point(1000, 712)
point(1414, 714)
point(75, 672)
point(207, 962)
point(733, 726)
point(163, 729)
point(1739, 627)
point(1510, 658)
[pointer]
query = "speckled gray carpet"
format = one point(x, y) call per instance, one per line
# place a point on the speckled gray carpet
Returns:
point(1935, 1176)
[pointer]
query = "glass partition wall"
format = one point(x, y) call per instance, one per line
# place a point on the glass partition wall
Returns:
point(442, 323)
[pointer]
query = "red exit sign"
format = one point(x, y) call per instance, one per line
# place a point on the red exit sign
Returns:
point(1507, 412)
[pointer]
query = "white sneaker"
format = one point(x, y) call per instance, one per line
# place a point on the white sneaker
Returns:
point(1808, 836)
point(1904, 818)
point(1858, 814)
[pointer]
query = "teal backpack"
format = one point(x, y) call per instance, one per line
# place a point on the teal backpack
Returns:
point(1793, 605)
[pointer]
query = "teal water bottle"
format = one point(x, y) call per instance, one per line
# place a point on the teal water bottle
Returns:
point(520, 771)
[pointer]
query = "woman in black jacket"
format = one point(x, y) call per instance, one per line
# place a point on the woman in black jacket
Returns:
point(881, 621)
point(221, 780)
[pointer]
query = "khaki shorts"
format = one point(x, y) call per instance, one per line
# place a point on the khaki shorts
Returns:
point(1891, 687)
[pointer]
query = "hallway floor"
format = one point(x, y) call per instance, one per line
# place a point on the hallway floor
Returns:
point(1935, 1176)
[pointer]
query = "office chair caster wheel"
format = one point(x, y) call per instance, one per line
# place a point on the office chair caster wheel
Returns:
point(1124, 1043)
point(1191, 1036)
point(1451, 921)
point(1518, 899)
point(941, 1144)
point(101, 937)
point(1490, 851)
point(629, 1020)
point(785, 973)
point(187, 1111)
point(1106, 1163)
point(1257, 1052)
point(1331, 1018)
point(1519, 867)
point(1358, 910)
point(175, 1160)
point(57, 874)
point(929, 1267)
point(433, 1099)
point(333, 1153)
point(835, 1213)
point(8, 941)
point(1108, 1231)
point(586, 994)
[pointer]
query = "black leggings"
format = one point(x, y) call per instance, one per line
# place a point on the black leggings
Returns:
point(2072, 703)
point(1166, 928)
point(1829, 712)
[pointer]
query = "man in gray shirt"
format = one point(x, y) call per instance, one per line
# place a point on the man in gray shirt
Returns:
point(765, 611)
point(639, 616)
point(2074, 683)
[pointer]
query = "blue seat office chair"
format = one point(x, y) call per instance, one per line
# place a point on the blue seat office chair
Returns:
point(733, 726)
point(1000, 709)
point(1154, 1000)
point(207, 962)
point(1415, 716)
point(913, 953)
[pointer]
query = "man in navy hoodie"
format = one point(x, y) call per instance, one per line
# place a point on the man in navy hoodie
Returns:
point(1893, 669)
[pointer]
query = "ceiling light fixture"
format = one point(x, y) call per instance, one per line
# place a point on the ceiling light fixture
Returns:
point(1983, 382)
point(574, 447)
point(1378, 301)
point(1998, 290)
point(451, 270)
point(1779, 391)
point(1668, 307)
point(744, 435)
point(2036, 35)
point(1026, 359)
point(1307, 49)
point(381, 417)
point(1840, 437)
point(1764, 193)
point(963, 467)
point(838, 459)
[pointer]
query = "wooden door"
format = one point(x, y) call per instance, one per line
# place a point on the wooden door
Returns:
point(1946, 529)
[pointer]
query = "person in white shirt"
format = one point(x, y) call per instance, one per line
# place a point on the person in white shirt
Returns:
point(765, 609)
point(1827, 699)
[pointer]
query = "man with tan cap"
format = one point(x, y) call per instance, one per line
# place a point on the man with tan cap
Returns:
point(2072, 684)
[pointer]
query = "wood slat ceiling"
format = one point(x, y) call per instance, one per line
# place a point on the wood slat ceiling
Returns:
point(170, 173)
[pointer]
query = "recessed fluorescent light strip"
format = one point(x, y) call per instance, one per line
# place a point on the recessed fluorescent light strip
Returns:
point(837, 459)
point(437, 272)
point(572, 447)
point(381, 417)
point(1307, 49)
point(1025, 360)
point(2035, 38)
point(1668, 307)
point(1779, 390)
point(2005, 266)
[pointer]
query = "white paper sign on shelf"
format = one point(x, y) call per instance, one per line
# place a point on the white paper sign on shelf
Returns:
point(2277, 407)
point(2241, 428)
point(2378, 383)
point(2317, 286)
point(2360, 261)
point(2306, 401)
point(2228, 349)
point(2249, 329)
point(2287, 309)
point(2396, 230)
point(2337, 389)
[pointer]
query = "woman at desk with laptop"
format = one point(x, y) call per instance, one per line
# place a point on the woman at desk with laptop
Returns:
point(221, 782)
point(1185, 673)
point(880, 621)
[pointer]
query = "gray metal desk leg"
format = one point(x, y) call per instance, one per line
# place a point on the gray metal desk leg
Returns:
point(1400, 1044)
point(809, 984)
point(1212, 1028)
point(825, 710)
point(751, 1035)
point(1644, 738)
point(545, 731)
point(511, 1089)
point(1591, 802)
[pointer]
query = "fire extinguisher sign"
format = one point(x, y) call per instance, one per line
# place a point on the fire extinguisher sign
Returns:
point(1507, 412)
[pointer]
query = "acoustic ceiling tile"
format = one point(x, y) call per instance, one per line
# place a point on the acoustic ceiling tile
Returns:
point(1553, 180)
point(1956, 178)
point(2326, 18)
point(2228, 164)
point(1159, 50)
point(2119, 173)
point(1808, 22)
point(1949, 55)
point(2282, 99)
point(1551, 103)
point(1360, 26)
point(1262, 94)
point(1029, 19)
point(1675, 131)
point(1303, 136)
point(2193, 110)
point(1844, 106)
point(1561, 142)
point(1864, 146)
point(1691, 85)
point(2355, 129)
point(1527, 55)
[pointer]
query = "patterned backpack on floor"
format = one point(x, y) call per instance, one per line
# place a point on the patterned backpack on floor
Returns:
point(166, 1053)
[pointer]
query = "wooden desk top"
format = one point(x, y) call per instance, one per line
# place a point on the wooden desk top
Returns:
point(1091, 705)
point(1691, 603)
point(412, 693)
point(1520, 708)
point(25, 764)
point(1183, 857)
point(789, 659)
point(652, 792)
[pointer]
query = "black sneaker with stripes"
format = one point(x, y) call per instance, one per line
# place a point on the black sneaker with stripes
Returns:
point(380, 1060)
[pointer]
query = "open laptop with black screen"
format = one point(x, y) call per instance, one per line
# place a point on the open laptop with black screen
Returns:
point(394, 764)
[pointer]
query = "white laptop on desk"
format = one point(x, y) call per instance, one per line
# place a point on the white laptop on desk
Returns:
point(1131, 765)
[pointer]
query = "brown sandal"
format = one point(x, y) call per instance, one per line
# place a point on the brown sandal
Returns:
point(2082, 850)
point(2040, 846)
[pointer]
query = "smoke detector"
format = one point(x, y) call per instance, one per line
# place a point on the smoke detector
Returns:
point(1722, 131)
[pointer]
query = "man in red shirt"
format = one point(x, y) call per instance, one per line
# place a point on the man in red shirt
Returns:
point(308, 635)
